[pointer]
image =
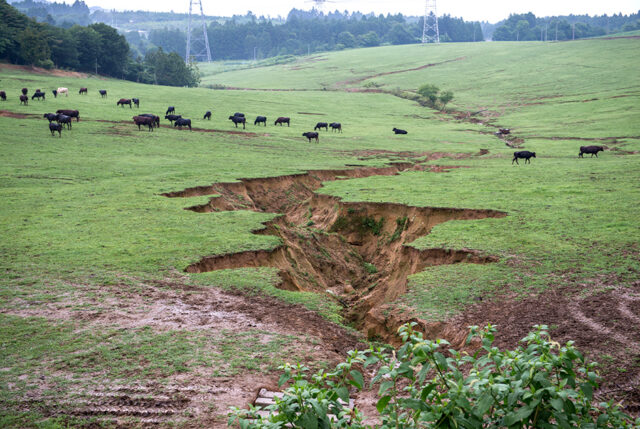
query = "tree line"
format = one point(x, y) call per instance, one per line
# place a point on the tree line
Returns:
point(96, 48)
point(310, 31)
point(521, 27)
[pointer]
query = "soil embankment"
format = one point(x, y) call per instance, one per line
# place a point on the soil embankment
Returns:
point(358, 252)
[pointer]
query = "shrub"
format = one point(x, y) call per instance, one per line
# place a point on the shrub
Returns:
point(540, 384)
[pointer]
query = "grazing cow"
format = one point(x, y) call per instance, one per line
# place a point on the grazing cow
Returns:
point(136, 101)
point(320, 125)
point(207, 115)
point(83, 91)
point(181, 122)
point(55, 127)
point(24, 91)
point(336, 126)
point(238, 120)
point(260, 120)
point(72, 113)
point(55, 93)
point(170, 109)
point(282, 120)
point(24, 99)
point(64, 119)
point(144, 120)
point(3, 95)
point(399, 131)
point(156, 119)
point(523, 154)
point(51, 117)
point(103, 93)
point(124, 101)
point(239, 114)
point(172, 118)
point(311, 135)
point(38, 95)
point(593, 150)
point(64, 91)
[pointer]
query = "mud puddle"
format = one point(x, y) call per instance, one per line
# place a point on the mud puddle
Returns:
point(356, 252)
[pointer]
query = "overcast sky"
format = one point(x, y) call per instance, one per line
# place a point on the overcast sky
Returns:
point(487, 10)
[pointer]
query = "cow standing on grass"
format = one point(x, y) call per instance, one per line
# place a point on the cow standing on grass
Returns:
point(523, 154)
point(593, 150)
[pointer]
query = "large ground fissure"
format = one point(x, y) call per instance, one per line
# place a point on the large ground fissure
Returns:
point(358, 252)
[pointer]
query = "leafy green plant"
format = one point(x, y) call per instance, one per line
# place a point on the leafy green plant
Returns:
point(371, 269)
point(540, 384)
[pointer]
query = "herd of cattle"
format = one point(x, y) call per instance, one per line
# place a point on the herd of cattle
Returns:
point(64, 117)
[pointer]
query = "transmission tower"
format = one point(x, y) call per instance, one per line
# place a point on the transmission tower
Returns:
point(430, 32)
point(197, 46)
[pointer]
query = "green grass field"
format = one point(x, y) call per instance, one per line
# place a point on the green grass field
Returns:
point(85, 228)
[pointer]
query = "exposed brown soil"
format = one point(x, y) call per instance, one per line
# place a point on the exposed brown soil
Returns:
point(15, 115)
point(199, 396)
point(39, 70)
point(604, 322)
point(357, 252)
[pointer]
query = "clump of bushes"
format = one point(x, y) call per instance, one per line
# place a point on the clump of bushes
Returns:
point(433, 97)
point(540, 384)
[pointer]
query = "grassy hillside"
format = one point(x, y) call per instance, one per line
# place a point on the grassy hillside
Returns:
point(93, 255)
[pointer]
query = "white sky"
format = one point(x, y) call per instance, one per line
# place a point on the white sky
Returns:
point(486, 10)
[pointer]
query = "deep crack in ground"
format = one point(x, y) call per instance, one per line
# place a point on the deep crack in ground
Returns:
point(357, 252)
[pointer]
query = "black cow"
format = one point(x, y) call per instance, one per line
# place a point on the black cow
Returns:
point(64, 119)
point(238, 120)
point(136, 101)
point(320, 125)
point(282, 120)
point(144, 120)
point(181, 122)
point(311, 135)
point(399, 131)
point(24, 91)
point(83, 91)
point(55, 127)
point(260, 120)
point(51, 117)
point(156, 119)
point(207, 115)
point(172, 118)
point(239, 114)
point(24, 100)
point(72, 113)
point(3, 95)
point(55, 93)
point(103, 93)
point(593, 150)
point(170, 109)
point(523, 154)
point(336, 126)
point(124, 101)
point(38, 95)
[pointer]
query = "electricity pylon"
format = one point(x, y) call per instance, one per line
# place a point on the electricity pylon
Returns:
point(430, 32)
point(197, 47)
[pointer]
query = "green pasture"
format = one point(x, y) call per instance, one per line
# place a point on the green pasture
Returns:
point(82, 215)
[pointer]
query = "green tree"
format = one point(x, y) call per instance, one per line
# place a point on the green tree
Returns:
point(34, 49)
point(369, 39)
point(88, 44)
point(113, 50)
point(399, 35)
point(430, 92)
point(170, 69)
point(445, 97)
point(347, 39)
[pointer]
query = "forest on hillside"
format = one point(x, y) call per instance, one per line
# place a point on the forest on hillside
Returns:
point(96, 48)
